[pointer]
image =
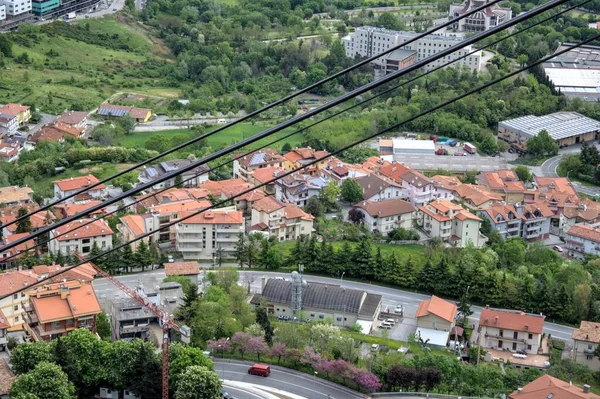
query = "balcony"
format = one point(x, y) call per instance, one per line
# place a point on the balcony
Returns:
point(132, 329)
point(189, 238)
point(505, 338)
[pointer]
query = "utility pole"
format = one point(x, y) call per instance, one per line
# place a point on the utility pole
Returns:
point(342, 279)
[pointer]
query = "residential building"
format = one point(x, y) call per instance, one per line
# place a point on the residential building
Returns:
point(510, 330)
point(585, 211)
point(246, 202)
point(73, 208)
point(66, 187)
point(189, 270)
point(55, 132)
point(54, 310)
point(110, 111)
point(203, 235)
point(418, 188)
point(38, 220)
point(505, 183)
point(394, 61)
point(133, 226)
point(480, 21)
point(473, 196)
point(436, 314)
point(164, 214)
point(22, 112)
point(367, 41)
point(298, 188)
point(191, 178)
point(15, 195)
point(8, 124)
point(225, 189)
point(339, 171)
point(528, 221)
point(16, 252)
point(245, 165)
point(378, 188)
point(300, 157)
point(4, 326)
point(385, 216)
point(451, 223)
point(285, 222)
point(566, 128)
point(586, 339)
point(11, 306)
point(44, 7)
point(2, 18)
point(7, 377)
point(576, 72)
point(343, 306)
point(79, 237)
point(130, 320)
point(583, 239)
point(9, 150)
point(264, 177)
point(548, 387)
point(74, 118)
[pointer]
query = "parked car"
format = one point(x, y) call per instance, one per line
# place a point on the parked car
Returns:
point(375, 347)
point(260, 369)
point(398, 309)
point(557, 248)
point(170, 259)
point(390, 321)
point(460, 154)
point(403, 349)
point(452, 143)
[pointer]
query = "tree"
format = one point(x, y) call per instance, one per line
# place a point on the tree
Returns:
point(329, 195)
point(464, 308)
point(45, 381)
point(181, 357)
point(241, 250)
point(314, 207)
point(25, 357)
point(263, 320)
point(488, 145)
point(198, 382)
point(143, 256)
point(278, 350)
point(351, 191)
point(127, 122)
point(103, 326)
point(523, 173)
point(542, 144)
point(389, 21)
point(178, 181)
point(356, 216)
point(23, 225)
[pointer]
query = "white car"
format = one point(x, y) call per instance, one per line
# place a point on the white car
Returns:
point(170, 259)
point(390, 321)
point(375, 347)
point(557, 248)
point(398, 309)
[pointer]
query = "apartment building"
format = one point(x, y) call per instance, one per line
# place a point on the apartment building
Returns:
point(79, 236)
point(367, 41)
point(133, 226)
point(379, 188)
point(528, 221)
point(480, 21)
point(299, 157)
point(202, 235)
point(16, 252)
point(451, 223)
point(2, 12)
point(190, 178)
point(15, 195)
point(66, 187)
point(21, 112)
point(264, 177)
point(583, 239)
point(385, 216)
point(286, 222)
point(8, 123)
point(166, 213)
point(54, 310)
point(510, 330)
point(549, 387)
point(298, 188)
point(75, 119)
point(244, 166)
point(586, 339)
point(418, 188)
point(12, 306)
point(129, 319)
point(505, 183)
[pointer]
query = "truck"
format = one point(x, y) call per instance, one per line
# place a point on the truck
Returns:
point(71, 15)
point(470, 148)
point(441, 151)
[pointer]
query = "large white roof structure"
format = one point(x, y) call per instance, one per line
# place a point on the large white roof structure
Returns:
point(559, 125)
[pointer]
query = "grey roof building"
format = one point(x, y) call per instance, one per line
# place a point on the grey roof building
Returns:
point(130, 319)
point(192, 178)
point(344, 306)
point(576, 73)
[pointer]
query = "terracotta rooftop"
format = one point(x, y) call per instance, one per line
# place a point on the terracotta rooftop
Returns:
point(513, 320)
point(252, 196)
point(24, 247)
point(588, 331)
point(80, 301)
point(135, 223)
point(214, 216)
point(560, 184)
point(181, 268)
point(585, 232)
point(183, 206)
point(216, 188)
point(386, 208)
point(16, 280)
point(400, 173)
point(74, 231)
point(263, 175)
point(548, 387)
point(72, 117)
point(292, 211)
point(71, 209)
point(437, 216)
point(445, 206)
point(257, 158)
point(437, 306)
point(464, 215)
point(7, 377)
point(77, 183)
point(13, 109)
point(268, 205)
point(12, 194)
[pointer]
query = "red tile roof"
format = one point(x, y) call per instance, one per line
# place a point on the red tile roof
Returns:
point(71, 209)
point(77, 183)
point(135, 223)
point(7, 377)
point(268, 205)
point(386, 208)
point(292, 211)
point(12, 281)
point(72, 117)
point(214, 216)
point(263, 175)
point(21, 248)
point(547, 387)
point(437, 306)
point(13, 109)
point(80, 301)
point(181, 269)
point(588, 331)
point(586, 232)
point(74, 231)
point(512, 320)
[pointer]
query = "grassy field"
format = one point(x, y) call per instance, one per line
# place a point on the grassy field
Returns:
point(66, 73)
point(220, 140)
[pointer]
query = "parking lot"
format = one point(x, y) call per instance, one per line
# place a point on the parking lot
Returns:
point(453, 163)
point(405, 325)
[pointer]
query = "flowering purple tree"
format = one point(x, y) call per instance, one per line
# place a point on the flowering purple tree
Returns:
point(311, 357)
point(339, 368)
point(257, 345)
point(241, 341)
point(221, 345)
point(293, 355)
point(278, 350)
point(367, 381)
point(323, 367)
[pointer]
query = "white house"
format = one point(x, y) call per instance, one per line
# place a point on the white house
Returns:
point(286, 222)
point(528, 221)
point(385, 216)
point(583, 239)
point(190, 178)
point(78, 236)
point(510, 330)
point(17, 7)
point(2, 12)
point(586, 339)
point(418, 188)
point(8, 123)
point(451, 223)
point(298, 188)
point(66, 187)
point(379, 188)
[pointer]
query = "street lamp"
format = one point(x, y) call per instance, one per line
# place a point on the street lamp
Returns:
point(342, 279)
point(315, 386)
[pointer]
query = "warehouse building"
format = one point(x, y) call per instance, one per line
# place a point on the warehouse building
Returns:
point(576, 73)
point(566, 128)
point(390, 147)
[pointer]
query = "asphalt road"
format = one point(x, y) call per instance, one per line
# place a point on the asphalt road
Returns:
point(391, 297)
point(450, 162)
point(285, 380)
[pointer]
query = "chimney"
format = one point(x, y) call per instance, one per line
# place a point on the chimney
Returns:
point(487, 306)
point(526, 327)
point(496, 320)
point(586, 388)
point(519, 390)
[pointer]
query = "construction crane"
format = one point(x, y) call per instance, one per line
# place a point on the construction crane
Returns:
point(167, 324)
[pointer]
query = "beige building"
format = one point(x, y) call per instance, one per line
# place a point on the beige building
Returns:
point(133, 226)
point(79, 236)
point(451, 223)
point(436, 314)
point(12, 306)
point(385, 216)
point(505, 183)
point(586, 339)
point(299, 157)
point(245, 165)
point(14, 195)
point(510, 330)
point(286, 222)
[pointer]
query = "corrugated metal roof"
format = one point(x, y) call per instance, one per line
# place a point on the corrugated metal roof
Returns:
point(107, 111)
point(559, 125)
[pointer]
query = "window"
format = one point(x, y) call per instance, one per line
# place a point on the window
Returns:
point(16, 318)
point(530, 336)
point(590, 347)
point(16, 307)
point(321, 316)
point(16, 296)
point(312, 315)
point(528, 347)
point(338, 318)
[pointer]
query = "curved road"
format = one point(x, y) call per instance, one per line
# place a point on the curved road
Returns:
point(548, 169)
point(285, 380)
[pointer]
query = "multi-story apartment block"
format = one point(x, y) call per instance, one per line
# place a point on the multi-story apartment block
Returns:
point(244, 166)
point(190, 178)
point(528, 221)
point(298, 188)
point(286, 222)
point(8, 123)
point(22, 112)
point(66, 187)
point(586, 339)
point(202, 235)
point(418, 188)
point(75, 119)
point(380, 188)
point(299, 157)
point(505, 183)
point(2, 12)
point(473, 196)
point(385, 216)
point(451, 223)
point(367, 41)
point(79, 236)
point(130, 320)
point(480, 21)
point(133, 226)
point(166, 213)
point(54, 310)
point(583, 239)
point(12, 306)
point(511, 330)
